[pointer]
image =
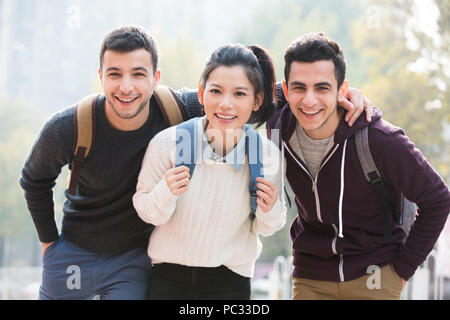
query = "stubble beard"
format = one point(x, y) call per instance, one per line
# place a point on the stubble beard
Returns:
point(129, 116)
point(328, 119)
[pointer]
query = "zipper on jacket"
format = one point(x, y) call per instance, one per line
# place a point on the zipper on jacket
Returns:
point(341, 257)
point(333, 243)
point(316, 192)
point(319, 216)
point(314, 181)
point(316, 197)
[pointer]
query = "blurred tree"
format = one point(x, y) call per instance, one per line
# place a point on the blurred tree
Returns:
point(181, 61)
point(433, 48)
point(19, 128)
point(277, 24)
point(407, 98)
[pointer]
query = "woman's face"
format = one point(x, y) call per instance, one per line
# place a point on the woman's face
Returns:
point(229, 99)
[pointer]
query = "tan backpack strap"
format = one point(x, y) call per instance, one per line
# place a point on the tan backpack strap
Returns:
point(84, 131)
point(169, 104)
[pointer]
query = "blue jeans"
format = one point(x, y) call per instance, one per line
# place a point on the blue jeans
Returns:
point(71, 273)
point(177, 282)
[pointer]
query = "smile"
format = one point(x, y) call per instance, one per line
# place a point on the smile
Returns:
point(310, 113)
point(126, 100)
point(225, 117)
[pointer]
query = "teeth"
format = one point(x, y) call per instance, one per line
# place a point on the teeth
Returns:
point(225, 117)
point(310, 112)
point(126, 100)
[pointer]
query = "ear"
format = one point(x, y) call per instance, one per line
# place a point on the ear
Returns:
point(285, 89)
point(343, 89)
point(258, 101)
point(157, 78)
point(201, 92)
point(100, 73)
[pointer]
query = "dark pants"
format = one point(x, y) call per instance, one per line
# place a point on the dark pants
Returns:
point(71, 273)
point(177, 282)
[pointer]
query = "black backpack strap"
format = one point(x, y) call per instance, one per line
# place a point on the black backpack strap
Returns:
point(374, 178)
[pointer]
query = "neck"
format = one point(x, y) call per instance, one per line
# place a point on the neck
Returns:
point(222, 142)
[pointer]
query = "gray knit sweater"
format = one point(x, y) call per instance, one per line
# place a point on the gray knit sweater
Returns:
point(100, 217)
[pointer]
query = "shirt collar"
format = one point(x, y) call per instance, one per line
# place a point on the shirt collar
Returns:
point(235, 158)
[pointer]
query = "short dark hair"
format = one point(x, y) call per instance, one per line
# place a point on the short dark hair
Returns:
point(315, 47)
point(259, 68)
point(130, 38)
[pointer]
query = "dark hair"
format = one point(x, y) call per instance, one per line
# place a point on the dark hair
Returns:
point(260, 72)
point(130, 38)
point(315, 47)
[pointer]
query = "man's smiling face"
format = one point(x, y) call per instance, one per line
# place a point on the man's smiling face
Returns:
point(128, 83)
point(312, 92)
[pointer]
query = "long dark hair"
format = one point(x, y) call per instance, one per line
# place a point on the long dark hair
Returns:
point(260, 72)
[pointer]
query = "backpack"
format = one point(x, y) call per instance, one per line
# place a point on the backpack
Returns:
point(84, 126)
point(408, 209)
point(188, 144)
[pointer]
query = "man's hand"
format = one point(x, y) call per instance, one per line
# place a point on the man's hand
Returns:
point(355, 103)
point(45, 246)
point(177, 179)
point(267, 194)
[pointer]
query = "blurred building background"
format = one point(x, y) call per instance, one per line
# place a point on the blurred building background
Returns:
point(396, 51)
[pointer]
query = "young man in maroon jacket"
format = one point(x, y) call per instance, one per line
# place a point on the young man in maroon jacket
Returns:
point(338, 236)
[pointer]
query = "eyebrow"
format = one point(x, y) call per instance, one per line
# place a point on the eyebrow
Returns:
point(237, 88)
point(320, 84)
point(323, 84)
point(134, 69)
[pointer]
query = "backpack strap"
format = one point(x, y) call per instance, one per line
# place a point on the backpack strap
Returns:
point(186, 139)
point(188, 143)
point(170, 105)
point(84, 131)
point(408, 214)
point(84, 126)
point(254, 152)
point(278, 141)
point(373, 176)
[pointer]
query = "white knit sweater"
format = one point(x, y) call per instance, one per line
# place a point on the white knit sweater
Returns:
point(209, 225)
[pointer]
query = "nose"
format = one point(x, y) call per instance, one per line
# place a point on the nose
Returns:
point(309, 99)
point(226, 102)
point(126, 85)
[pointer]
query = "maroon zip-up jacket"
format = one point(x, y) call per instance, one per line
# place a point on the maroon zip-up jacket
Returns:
point(337, 240)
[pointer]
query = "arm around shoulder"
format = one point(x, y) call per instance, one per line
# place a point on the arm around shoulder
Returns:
point(189, 99)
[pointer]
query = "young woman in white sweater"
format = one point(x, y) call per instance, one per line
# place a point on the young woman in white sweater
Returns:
point(205, 243)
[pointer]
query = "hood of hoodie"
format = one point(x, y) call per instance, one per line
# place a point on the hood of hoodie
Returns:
point(343, 132)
